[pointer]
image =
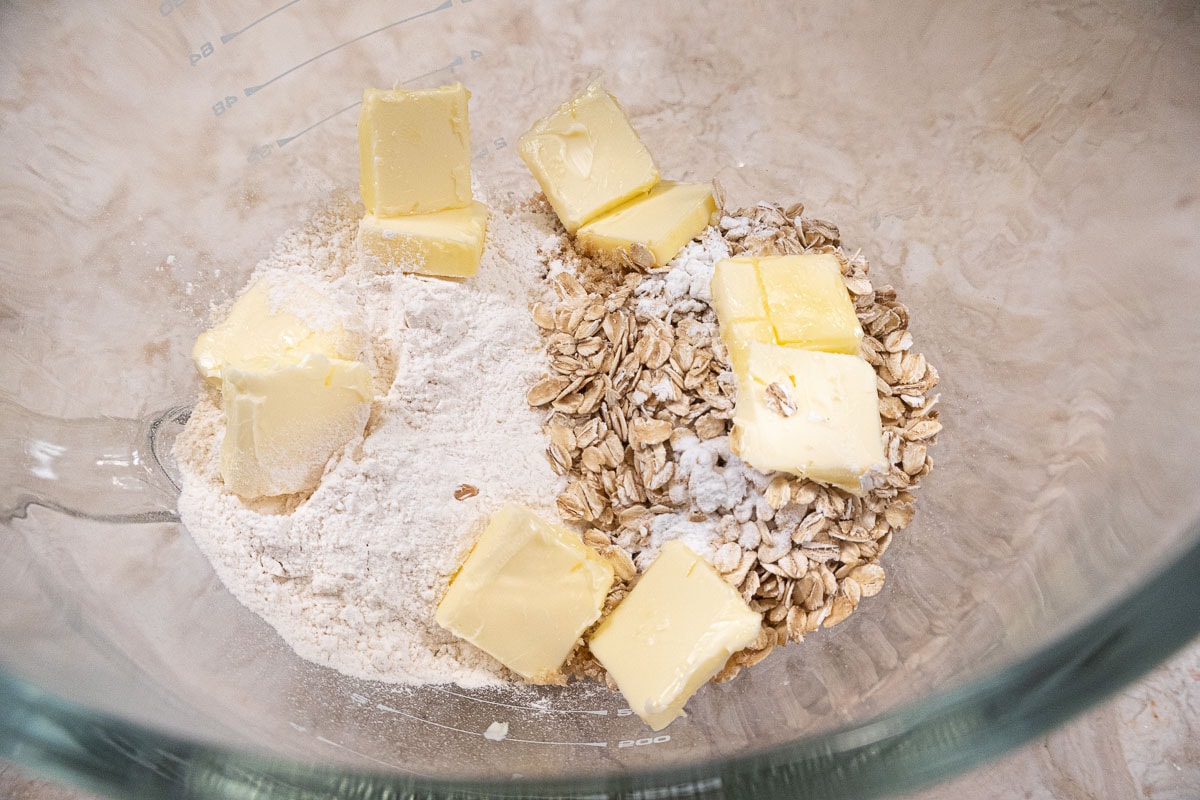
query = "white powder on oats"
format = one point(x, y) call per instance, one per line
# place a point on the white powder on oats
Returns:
point(351, 576)
point(709, 478)
point(683, 285)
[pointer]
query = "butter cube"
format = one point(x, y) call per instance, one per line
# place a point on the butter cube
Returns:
point(262, 330)
point(663, 220)
point(813, 414)
point(802, 297)
point(285, 420)
point(445, 243)
point(414, 150)
point(671, 633)
point(526, 593)
point(738, 336)
point(291, 388)
point(587, 157)
point(737, 295)
point(808, 303)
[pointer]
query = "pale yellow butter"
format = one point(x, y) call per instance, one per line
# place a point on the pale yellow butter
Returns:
point(665, 219)
point(292, 390)
point(671, 633)
point(414, 150)
point(526, 593)
point(587, 157)
point(285, 420)
point(445, 243)
point(802, 297)
point(738, 336)
point(258, 331)
point(820, 420)
point(808, 303)
point(737, 295)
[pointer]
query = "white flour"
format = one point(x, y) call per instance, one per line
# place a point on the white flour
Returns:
point(351, 576)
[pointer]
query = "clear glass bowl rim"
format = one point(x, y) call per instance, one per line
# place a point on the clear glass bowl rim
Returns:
point(896, 751)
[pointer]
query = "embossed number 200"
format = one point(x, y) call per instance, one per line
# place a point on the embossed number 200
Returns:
point(643, 742)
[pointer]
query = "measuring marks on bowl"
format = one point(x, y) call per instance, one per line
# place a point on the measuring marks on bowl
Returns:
point(444, 728)
point(266, 75)
point(250, 90)
point(258, 154)
point(535, 718)
point(490, 732)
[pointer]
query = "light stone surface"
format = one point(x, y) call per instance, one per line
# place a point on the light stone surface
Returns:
point(1144, 742)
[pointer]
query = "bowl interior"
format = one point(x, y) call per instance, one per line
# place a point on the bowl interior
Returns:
point(1024, 174)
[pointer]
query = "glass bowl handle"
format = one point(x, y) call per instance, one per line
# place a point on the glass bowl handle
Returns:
point(105, 469)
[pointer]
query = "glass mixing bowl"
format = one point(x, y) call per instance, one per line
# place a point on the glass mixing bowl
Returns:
point(1024, 173)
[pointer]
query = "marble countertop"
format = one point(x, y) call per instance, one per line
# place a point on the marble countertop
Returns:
point(1144, 742)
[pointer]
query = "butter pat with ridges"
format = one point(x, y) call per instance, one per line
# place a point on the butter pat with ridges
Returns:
point(802, 297)
point(284, 421)
point(587, 157)
point(665, 219)
point(526, 593)
point(812, 414)
point(414, 150)
point(671, 633)
point(445, 243)
point(259, 331)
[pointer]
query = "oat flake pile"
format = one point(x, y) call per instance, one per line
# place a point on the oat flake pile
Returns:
point(641, 397)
